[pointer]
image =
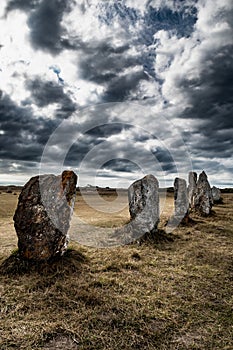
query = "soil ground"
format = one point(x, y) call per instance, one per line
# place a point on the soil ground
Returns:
point(172, 293)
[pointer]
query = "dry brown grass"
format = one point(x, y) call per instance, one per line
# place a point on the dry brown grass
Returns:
point(172, 294)
point(103, 211)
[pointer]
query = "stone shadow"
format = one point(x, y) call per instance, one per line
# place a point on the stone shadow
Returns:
point(65, 265)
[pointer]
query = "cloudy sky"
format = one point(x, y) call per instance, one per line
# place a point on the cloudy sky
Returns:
point(116, 89)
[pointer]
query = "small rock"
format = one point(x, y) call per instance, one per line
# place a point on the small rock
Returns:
point(43, 214)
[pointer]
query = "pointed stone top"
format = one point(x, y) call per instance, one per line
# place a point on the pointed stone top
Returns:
point(202, 176)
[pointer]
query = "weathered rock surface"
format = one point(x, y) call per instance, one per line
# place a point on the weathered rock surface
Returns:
point(216, 193)
point(203, 200)
point(43, 214)
point(143, 198)
point(181, 200)
point(192, 188)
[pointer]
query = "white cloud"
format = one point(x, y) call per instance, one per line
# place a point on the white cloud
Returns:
point(139, 5)
point(87, 27)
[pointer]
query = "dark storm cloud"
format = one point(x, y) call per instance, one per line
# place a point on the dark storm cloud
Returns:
point(105, 64)
point(79, 149)
point(23, 5)
point(212, 168)
point(45, 24)
point(164, 158)
point(91, 138)
point(216, 146)
point(101, 63)
point(21, 138)
point(107, 130)
point(143, 136)
point(119, 88)
point(121, 165)
point(46, 129)
point(65, 109)
point(46, 93)
point(211, 97)
point(110, 148)
point(44, 21)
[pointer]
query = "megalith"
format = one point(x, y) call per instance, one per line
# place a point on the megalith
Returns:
point(43, 215)
point(216, 193)
point(192, 186)
point(181, 201)
point(143, 198)
point(203, 200)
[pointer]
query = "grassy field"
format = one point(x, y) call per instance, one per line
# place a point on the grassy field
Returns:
point(175, 293)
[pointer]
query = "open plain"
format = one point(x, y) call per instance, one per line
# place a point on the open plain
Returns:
point(172, 293)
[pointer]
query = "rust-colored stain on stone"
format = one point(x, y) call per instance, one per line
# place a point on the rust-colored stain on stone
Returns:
point(68, 184)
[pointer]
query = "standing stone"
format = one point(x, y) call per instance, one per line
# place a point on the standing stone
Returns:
point(143, 198)
point(203, 200)
point(192, 188)
point(181, 200)
point(216, 193)
point(43, 215)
